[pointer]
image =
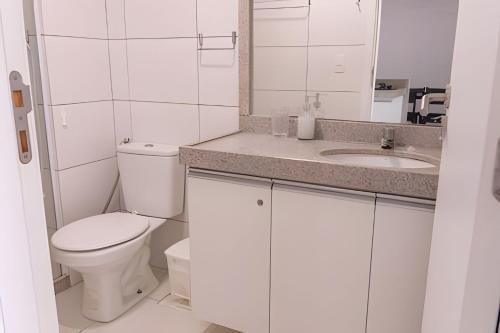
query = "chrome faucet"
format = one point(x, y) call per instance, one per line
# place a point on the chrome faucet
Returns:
point(388, 138)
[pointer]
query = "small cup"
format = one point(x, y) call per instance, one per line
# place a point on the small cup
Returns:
point(280, 122)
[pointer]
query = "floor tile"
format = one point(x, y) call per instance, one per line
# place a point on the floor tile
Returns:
point(148, 316)
point(68, 310)
point(164, 288)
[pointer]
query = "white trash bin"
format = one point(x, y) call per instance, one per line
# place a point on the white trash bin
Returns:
point(178, 260)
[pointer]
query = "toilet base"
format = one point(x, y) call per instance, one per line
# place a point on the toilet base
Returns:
point(112, 290)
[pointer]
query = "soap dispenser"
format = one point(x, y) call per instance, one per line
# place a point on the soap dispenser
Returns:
point(306, 122)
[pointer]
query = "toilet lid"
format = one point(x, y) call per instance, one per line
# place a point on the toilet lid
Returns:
point(98, 232)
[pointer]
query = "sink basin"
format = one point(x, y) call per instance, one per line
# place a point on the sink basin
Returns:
point(377, 159)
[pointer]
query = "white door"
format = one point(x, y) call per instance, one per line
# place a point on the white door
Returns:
point(320, 260)
point(400, 257)
point(26, 291)
point(229, 226)
point(463, 287)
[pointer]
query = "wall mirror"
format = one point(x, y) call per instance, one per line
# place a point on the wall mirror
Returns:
point(364, 60)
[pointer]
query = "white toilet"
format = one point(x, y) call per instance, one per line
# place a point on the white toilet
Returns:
point(111, 251)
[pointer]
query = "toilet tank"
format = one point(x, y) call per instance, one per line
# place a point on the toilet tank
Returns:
point(152, 179)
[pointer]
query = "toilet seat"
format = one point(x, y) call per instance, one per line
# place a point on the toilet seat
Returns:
point(99, 232)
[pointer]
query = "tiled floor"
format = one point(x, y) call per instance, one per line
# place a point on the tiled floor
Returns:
point(153, 314)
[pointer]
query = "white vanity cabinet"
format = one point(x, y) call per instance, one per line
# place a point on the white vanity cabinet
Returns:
point(320, 260)
point(230, 226)
point(401, 247)
point(283, 257)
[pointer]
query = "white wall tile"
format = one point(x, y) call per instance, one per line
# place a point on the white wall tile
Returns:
point(174, 124)
point(80, 18)
point(78, 69)
point(266, 102)
point(165, 236)
point(284, 27)
point(219, 73)
point(348, 28)
point(322, 75)
point(115, 10)
point(340, 105)
point(84, 133)
point(123, 122)
point(160, 18)
point(85, 189)
point(119, 69)
point(163, 70)
point(217, 121)
point(280, 68)
point(217, 17)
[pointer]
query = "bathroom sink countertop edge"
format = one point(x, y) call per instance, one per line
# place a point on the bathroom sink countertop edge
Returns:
point(284, 158)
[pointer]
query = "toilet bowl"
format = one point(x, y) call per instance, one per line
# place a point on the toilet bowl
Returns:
point(112, 251)
point(114, 262)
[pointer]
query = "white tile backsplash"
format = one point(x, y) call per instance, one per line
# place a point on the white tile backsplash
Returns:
point(123, 121)
point(85, 189)
point(266, 102)
point(323, 74)
point(284, 27)
point(119, 69)
point(84, 133)
point(217, 121)
point(78, 18)
point(115, 10)
point(174, 124)
point(163, 70)
point(219, 73)
point(79, 69)
point(280, 68)
point(217, 17)
point(160, 18)
point(340, 105)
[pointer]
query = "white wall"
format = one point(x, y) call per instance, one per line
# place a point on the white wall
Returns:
point(131, 69)
point(463, 280)
point(416, 41)
point(296, 51)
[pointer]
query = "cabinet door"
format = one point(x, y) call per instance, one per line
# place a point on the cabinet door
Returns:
point(229, 227)
point(320, 261)
point(401, 246)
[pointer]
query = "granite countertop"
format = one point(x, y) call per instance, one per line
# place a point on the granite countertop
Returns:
point(264, 155)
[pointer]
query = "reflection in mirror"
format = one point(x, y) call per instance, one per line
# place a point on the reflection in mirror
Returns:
point(323, 54)
point(415, 53)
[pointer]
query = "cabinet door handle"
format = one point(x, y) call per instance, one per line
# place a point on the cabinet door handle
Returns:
point(260, 202)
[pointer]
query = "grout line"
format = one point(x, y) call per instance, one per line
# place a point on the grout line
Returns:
point(311, 90)
point(161, 300)
point(198, 60)
point(110, 76)
point(306, 46)
point(83, 164)
point(84, 102)
point(128, 70)
point(74, 37)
